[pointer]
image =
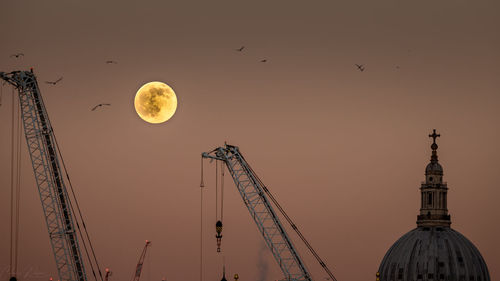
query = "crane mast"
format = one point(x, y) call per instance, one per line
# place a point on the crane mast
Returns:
point(253, 192)
point(49, 178)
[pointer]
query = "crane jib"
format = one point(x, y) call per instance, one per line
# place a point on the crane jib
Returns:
point(253, 193)
point(53, 194)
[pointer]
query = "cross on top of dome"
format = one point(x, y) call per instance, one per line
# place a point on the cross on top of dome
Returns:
point(434, 136)
point(434, 146)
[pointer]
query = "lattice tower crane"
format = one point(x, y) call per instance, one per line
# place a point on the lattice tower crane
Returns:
point(257, 199)
point(138, 268)
point(57, 207)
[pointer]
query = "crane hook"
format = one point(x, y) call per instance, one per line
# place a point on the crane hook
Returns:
point(218, 236)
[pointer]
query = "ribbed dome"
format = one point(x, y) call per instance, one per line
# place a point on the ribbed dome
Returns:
point(433, 253)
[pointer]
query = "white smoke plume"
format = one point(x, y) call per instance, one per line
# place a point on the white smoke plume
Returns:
point(262, 265)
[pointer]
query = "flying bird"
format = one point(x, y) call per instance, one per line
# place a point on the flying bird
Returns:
point(265, 60)
point(360, 67)
point(240, 49)
point(54, 82)
point(101, 104)
point(17, 55)
point(111, 62)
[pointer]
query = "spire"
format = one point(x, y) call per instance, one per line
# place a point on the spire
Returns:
point(433, 210)
point(434, 146)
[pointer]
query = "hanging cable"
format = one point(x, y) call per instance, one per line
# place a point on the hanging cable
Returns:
point(81, 234)
point(201, 222)
point(18, 186)
point(292, 224)
point(1, 93)
point(62, 192)
point(15, 180)
point(222, 191)
point(87, 236)
point(218, 224)
point(216, 190)
point(12, 193)
point(201, 183)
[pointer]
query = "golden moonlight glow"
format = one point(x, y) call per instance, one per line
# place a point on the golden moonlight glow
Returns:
point(155, 102)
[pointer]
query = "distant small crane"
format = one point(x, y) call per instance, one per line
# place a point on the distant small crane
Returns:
point(138, 268)
point(108, 274)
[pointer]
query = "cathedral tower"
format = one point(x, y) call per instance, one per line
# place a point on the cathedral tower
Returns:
point(433, 251)
point(433, 207)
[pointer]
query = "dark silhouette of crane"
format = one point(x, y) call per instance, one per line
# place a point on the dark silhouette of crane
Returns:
point(257, 198)
point(61, 212)
point(108, 274)
point(138, 268)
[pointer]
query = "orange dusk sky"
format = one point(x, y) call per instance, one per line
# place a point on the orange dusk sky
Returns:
point(343, 151)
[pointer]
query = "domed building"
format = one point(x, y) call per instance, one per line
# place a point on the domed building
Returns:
point(433, 251)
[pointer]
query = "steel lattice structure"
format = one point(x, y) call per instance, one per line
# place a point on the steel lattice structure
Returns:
point(252, 192)
point(138, 268)
point(49, 178)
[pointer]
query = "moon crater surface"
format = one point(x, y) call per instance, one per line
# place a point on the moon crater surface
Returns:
point(155, 102)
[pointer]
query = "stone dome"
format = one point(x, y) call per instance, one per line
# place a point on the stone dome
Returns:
point(433, 253)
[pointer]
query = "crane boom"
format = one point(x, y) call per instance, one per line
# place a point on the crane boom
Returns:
point(253, 193)
point(138, 268)
point(52, 189)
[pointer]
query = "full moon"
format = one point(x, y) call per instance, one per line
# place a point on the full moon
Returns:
point(155, 102)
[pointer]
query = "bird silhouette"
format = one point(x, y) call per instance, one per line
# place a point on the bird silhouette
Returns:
point(240, 49)
point(17, 55)
point(111, 62)
point(360, 67)
point(264, 60)
point(99, 105)
point(54, 82)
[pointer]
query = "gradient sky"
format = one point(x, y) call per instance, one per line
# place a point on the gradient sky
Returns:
point(343, 151)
